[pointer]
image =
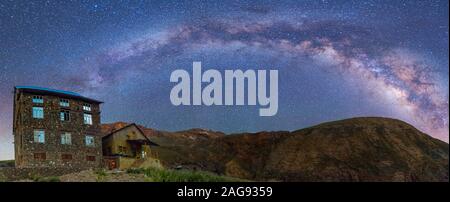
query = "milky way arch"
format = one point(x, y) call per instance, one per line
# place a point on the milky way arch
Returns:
point(387, 71)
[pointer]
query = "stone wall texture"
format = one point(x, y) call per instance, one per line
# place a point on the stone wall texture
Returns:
point(72, 156)
point(15, 174)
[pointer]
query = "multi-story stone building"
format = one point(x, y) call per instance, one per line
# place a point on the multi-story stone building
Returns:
point(54, 128)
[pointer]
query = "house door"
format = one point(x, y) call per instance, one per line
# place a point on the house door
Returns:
point(112, 164)
point(138, 150)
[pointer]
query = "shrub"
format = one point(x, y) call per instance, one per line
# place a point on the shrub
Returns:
point(101, 174)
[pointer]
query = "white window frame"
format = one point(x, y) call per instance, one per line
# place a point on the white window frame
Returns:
point(64, 103)
point(87, 107)
point(38, 112)
point(89, 140)
point(39, 136)
point(87, 119)
point(38, 99)
point(66, 138)
point(62, 117)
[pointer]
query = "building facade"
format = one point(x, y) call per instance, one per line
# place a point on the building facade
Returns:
point(127, 147)
point(54, 128)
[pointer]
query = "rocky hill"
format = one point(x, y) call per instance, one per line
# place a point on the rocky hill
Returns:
point(358, 149)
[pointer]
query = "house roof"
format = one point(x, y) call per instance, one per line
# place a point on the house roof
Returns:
point(127, 126)
point(60, 93)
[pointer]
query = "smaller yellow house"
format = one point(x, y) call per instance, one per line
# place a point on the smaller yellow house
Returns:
point(126, 147)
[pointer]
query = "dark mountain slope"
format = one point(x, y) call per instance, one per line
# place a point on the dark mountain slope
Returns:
point(358, 149)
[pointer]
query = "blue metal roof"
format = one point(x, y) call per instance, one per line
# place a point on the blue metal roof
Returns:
point(49, 90)
point(57, 92)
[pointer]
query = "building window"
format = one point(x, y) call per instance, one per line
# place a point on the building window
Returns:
point(89, 141)
point(66, 157)
point(87, 107)
point(39, 136)
point(64, 103)
point(38, 99)
point(90, 158)
point(38, 112)
point(39, 156)
point(122, 150)
point(88, 119)
point(66, 138)
point(64, 115)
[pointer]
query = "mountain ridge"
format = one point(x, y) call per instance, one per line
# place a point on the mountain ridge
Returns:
point(356, 149)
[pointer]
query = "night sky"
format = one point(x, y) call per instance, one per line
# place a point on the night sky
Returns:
point(336, 59)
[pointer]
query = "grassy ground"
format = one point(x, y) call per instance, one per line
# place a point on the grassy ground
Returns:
point(132, 175)
point(167, 175)
point(138, 175)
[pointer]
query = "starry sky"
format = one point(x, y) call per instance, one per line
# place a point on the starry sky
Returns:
point(336, 59)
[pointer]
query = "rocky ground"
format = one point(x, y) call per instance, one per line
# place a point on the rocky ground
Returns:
point(103, 176)
point(135, 175)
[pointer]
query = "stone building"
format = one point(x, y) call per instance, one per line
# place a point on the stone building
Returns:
point(54, 128)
